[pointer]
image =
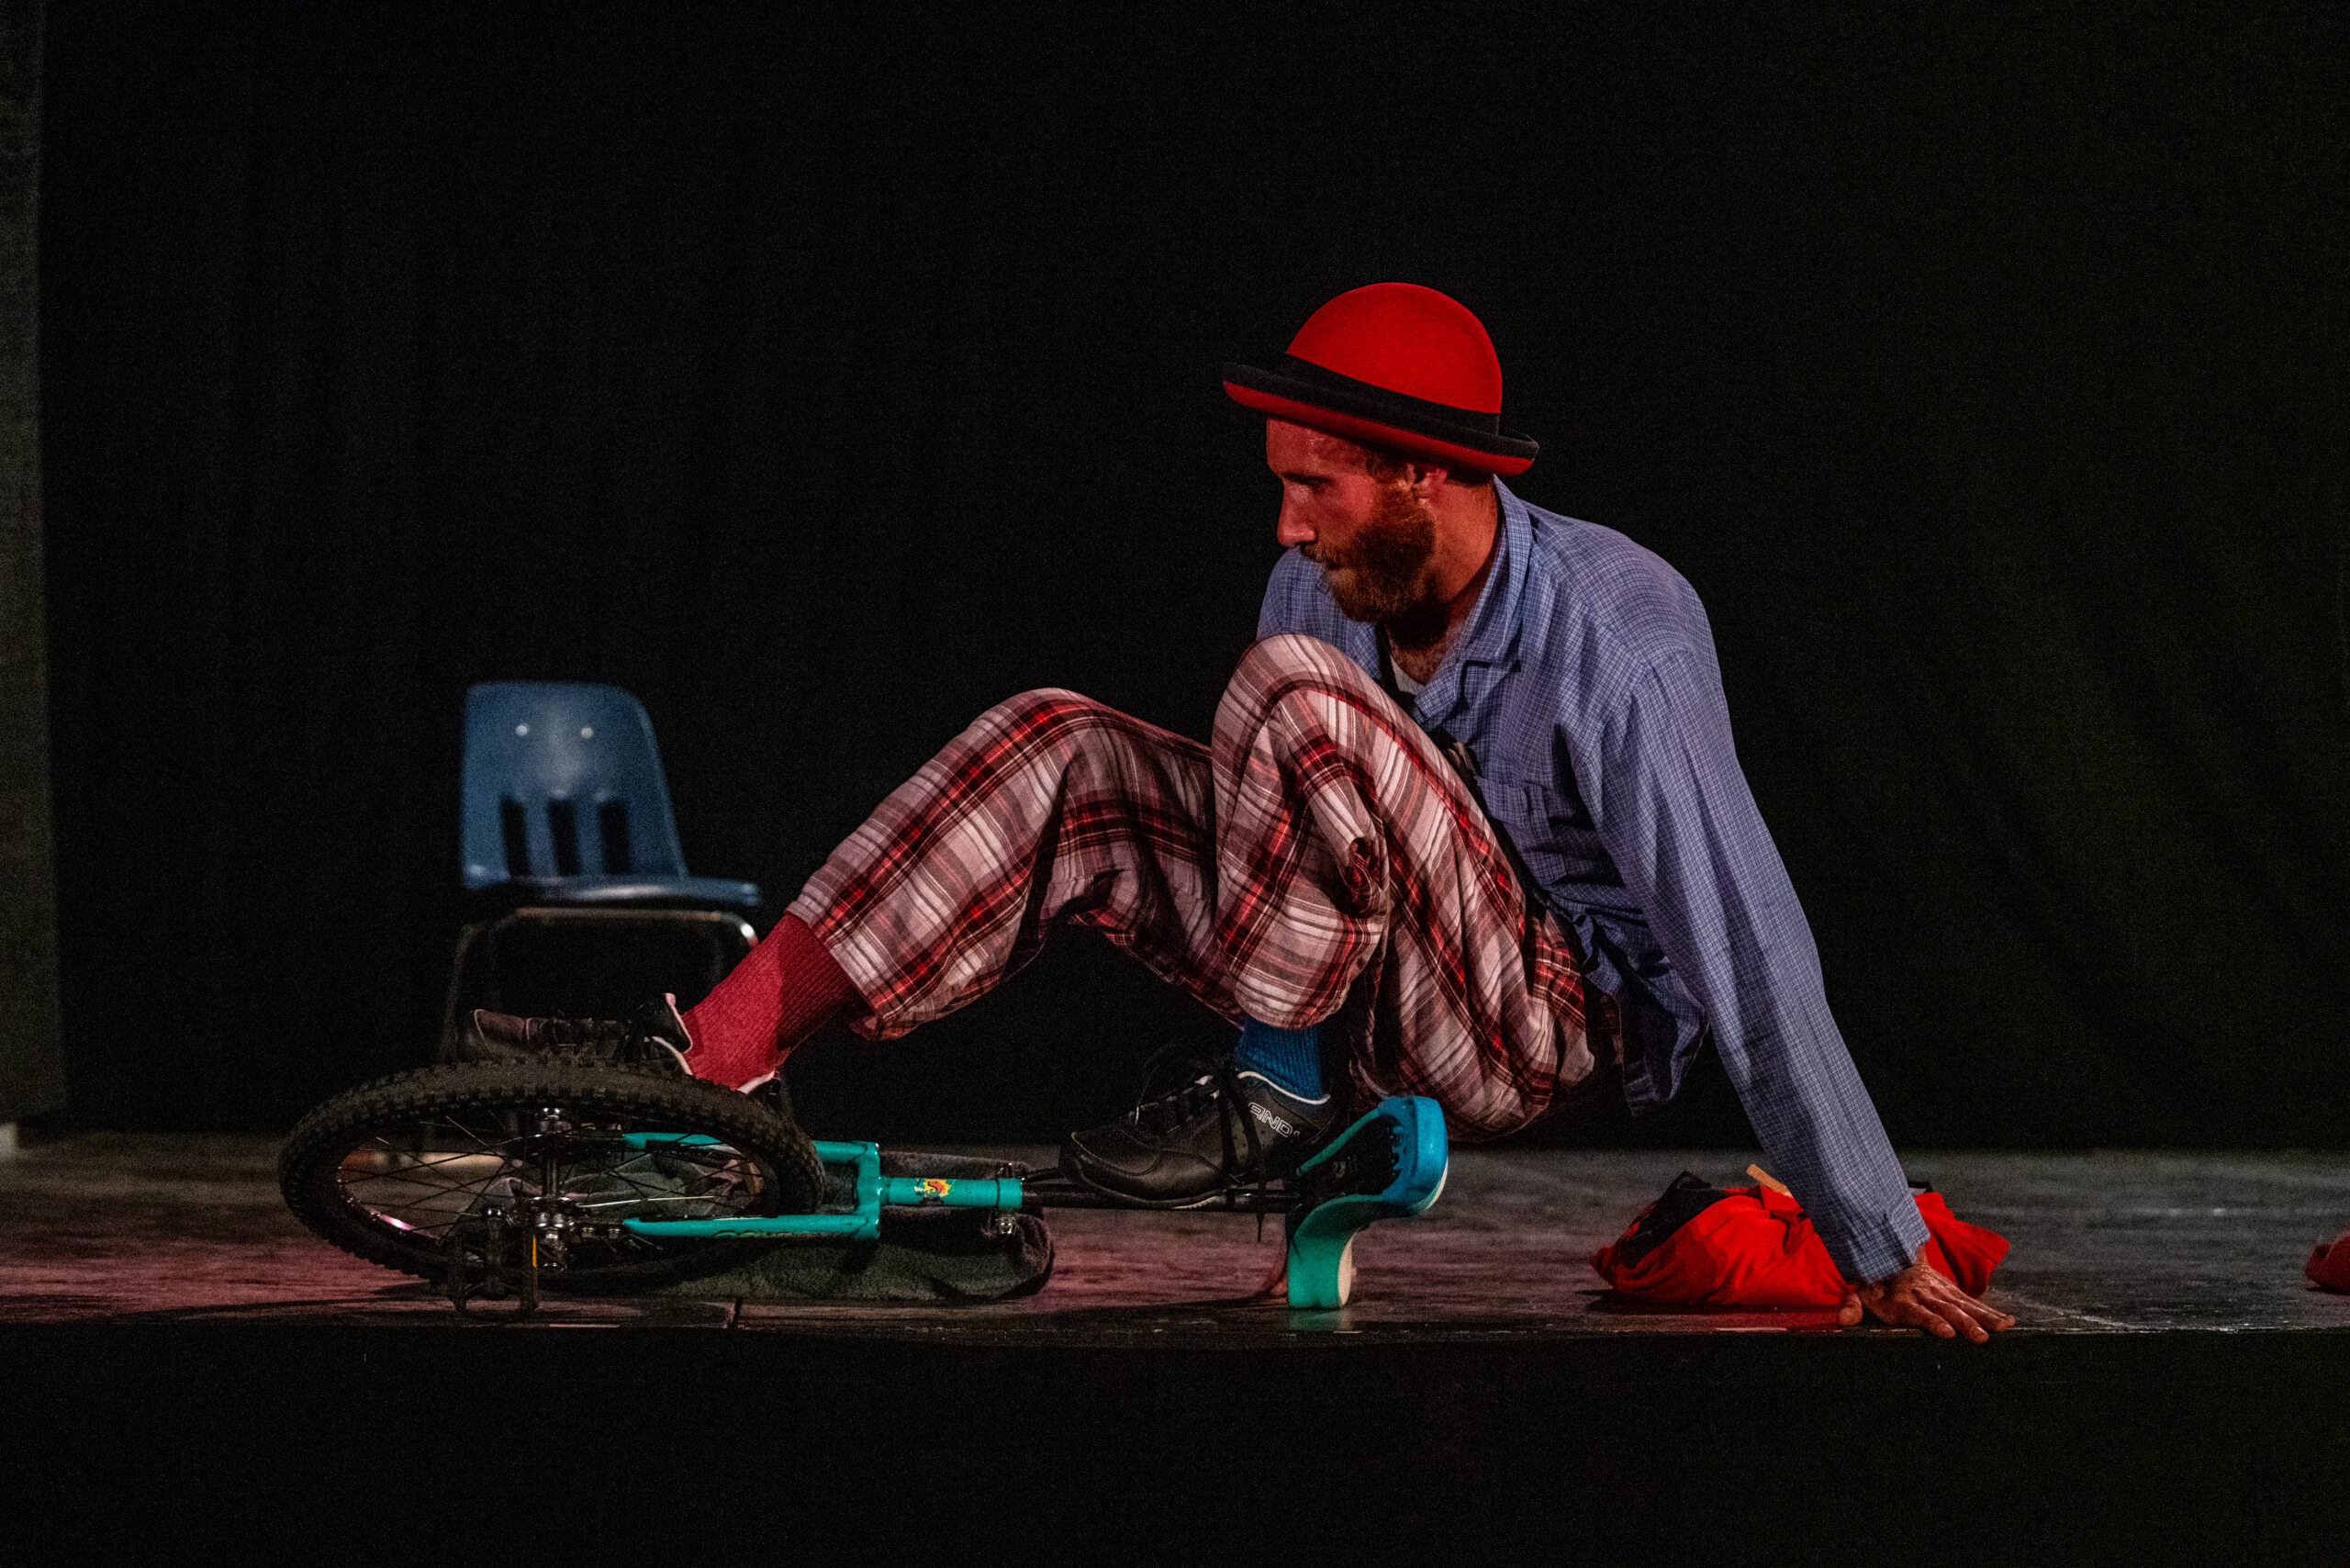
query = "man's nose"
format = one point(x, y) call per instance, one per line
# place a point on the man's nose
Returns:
point(1292, 528)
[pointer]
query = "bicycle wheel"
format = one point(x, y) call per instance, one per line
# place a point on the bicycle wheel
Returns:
point(560, 1154)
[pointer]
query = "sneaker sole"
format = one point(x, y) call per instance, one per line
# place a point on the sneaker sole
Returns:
point(1167, 1204)
point(1127, 1200)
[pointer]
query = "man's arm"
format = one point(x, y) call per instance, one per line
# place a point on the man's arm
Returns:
point(1680, 824)
point(1677, 817)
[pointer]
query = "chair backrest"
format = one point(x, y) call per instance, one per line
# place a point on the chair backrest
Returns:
point(563, 781)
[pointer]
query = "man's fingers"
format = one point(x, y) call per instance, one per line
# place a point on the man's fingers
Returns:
point(1934, 1304)
point(1958, 1313)
point(1989, 1316)
point(1952, 1301)
point(1941, 1320)
point(1926, 1299)
point(1934, 1322)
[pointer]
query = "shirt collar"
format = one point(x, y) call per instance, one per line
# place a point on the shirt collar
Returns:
point(1490, 638)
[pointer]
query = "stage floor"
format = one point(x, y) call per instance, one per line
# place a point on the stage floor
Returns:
point(113, 1227)
point(180, 1349)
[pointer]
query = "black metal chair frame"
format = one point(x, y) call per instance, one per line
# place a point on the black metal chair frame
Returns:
point(730, 937)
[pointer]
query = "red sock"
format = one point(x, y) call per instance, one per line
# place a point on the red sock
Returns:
point(786, 990)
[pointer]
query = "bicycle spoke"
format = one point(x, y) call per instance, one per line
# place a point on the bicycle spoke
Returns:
point(423, 1178)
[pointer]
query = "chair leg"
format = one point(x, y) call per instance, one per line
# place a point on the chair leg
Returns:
point(489, 958)
point(449, 1025)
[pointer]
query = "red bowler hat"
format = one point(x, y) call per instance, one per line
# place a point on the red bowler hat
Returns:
point(1397, 366)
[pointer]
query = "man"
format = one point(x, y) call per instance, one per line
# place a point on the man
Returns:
point(1478, 759)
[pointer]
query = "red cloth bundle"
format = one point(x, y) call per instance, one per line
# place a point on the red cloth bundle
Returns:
point(2329, 1264)
point(1700, 1246)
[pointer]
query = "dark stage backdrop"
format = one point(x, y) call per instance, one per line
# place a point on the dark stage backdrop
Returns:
point(31, 1073)
point(825, 375)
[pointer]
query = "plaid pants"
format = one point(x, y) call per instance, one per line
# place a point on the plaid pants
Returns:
point(1320, 862)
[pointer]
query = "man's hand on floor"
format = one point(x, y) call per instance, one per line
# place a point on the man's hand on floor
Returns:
point(1922, 1297)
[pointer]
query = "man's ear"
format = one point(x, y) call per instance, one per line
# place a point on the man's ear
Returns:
point(1426, 480)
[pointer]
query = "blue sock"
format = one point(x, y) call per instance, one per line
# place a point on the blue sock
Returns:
point(1291, 1057)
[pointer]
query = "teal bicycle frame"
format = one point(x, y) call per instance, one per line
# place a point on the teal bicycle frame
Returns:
point(1321, 1234)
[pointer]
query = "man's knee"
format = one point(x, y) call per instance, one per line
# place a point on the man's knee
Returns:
point(1280, 671)
point(1290, 655)
point(1046, 713)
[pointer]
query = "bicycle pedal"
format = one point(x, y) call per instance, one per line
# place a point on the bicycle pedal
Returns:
point(492, 1284)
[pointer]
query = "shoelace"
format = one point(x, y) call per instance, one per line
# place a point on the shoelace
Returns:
point(1201, 1077)
point(562, 1031)
point(626, 1040)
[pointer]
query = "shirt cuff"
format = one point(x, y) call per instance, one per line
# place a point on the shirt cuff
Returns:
point(1869, 1246)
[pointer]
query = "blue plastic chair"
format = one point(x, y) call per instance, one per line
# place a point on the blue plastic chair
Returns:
point(564, 801)
point(566, 827)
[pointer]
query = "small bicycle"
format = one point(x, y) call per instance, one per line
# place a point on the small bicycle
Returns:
point(498, 1181)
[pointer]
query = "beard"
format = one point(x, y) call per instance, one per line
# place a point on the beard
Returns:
point(1382, 573)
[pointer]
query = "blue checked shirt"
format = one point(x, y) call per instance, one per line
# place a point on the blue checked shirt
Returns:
point(1585, 688)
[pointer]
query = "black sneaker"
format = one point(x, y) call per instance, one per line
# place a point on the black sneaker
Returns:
point(652, 1039)
point(1222, 1127)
